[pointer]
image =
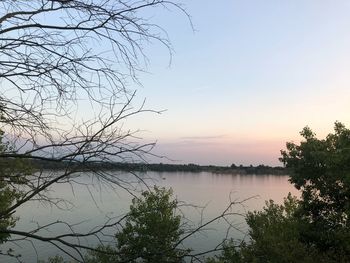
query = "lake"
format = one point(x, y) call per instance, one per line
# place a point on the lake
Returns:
point(92, 203)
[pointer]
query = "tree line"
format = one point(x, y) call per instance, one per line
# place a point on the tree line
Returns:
point(164, 167)
point(313, 228)
point(66, 72)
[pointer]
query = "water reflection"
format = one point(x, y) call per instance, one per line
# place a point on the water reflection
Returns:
point(93, 203)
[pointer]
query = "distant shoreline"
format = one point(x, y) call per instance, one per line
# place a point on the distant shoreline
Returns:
point(161, 167)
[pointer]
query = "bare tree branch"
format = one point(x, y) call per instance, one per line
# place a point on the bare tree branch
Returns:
point(66, 67)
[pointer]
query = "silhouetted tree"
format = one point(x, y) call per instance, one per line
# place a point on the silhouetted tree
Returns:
point(151, 231)
point(65, 67)
point(316, 227)
point(65, 72)
point(321, 170)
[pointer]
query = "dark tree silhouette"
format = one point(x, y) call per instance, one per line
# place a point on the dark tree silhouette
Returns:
point(66, 67)
point(65, 73)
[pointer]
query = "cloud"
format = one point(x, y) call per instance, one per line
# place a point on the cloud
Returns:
point(213, 137)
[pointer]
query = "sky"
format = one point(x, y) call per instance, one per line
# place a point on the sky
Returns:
point(246, 80)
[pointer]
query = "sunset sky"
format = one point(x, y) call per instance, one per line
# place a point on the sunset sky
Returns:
point(248, 79)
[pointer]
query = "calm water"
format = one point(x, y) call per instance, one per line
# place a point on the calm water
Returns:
point(92, 203)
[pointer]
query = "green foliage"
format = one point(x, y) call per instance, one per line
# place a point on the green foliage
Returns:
point(316, 227)
point(230, 253)
point(276, 236)
point(151, 233)
point(7, 196)
point(12, 176)
point(321, 170)
point(55, 259)
point(106, 254)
